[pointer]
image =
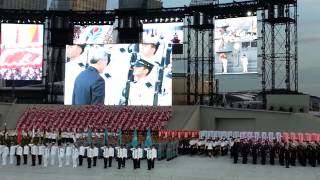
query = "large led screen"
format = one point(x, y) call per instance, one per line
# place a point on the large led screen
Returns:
point(236, 45)
point(118, 74)
point(163, 32)
point(92, 34)
point(21, 51)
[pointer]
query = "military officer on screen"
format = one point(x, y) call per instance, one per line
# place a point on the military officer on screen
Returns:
point(142, 88)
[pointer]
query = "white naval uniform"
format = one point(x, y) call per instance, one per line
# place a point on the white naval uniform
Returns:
point(154, 153)
point(140, 153)
point(5, 153)
point(111, 152)
point(134, 153)
point(82, 150)
point(141, 93)
point(90, 152)
point(95, 152)
point(53, 154)
point(61, 154)
point(68, 155)
point(12, 153)
point(75, 154)
point(105, 151)
point(46, 155)
point(19, 150)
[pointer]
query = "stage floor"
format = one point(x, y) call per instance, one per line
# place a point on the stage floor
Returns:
point(181, 168)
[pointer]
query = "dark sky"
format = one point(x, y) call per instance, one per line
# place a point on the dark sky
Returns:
point(309, 44)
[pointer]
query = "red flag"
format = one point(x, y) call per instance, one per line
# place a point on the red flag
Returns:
point(19, 136)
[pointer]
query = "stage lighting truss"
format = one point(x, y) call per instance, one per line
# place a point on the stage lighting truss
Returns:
point(91, 22)
point(22, 21)
point(161, 20)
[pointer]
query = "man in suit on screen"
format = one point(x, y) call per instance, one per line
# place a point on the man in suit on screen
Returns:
point(89, 87)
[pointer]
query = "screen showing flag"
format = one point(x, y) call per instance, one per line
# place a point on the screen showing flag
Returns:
point(92, 34)
point(21, 51)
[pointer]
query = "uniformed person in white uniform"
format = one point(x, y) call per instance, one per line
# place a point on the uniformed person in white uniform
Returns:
point(19, 152)
point(89, 155)
point(105, 150)
point(73, 68)
point(140, 155)
point(124, 155)
point(142, 88)
point(82, 150)
point(68, 154)
point(53, 153)
point(95, 154)
point(75, 155)
point(5, 153)
point(61, 154)
point(34, 153)
point(46, 155)
point(41, 150)
point(134, 157)
point(120, 155)
point(110, 154)
point(26, 151)
point(151, 156)
point(12, 152)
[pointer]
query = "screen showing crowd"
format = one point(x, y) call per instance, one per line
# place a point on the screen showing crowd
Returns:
point(21, 53)
point(92, 34)
point(119, 74)
point(236, 45)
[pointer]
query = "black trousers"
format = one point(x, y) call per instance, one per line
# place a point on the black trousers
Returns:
point(18, 157)
point(119, 162)
point(89, 160)
point(39, 159)
point(138, 163)
point(244, 159)
point(123, 162)
point(235, 158)
point(281, 159)
point(287, 162)
point(272, 159)
point(95, 161)
point(80, 160)
point(254, 158)
point(25, 159)
point(149, 164)
point(110, 161)
point(263, 159)
point(152, 163)
point(105, 162)
point(33, 160)
point(135, 163)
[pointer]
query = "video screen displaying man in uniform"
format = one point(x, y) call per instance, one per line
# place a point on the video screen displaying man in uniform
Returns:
point(92, 34)
point(21, 51)
point(236, 45)
point(131, 74)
